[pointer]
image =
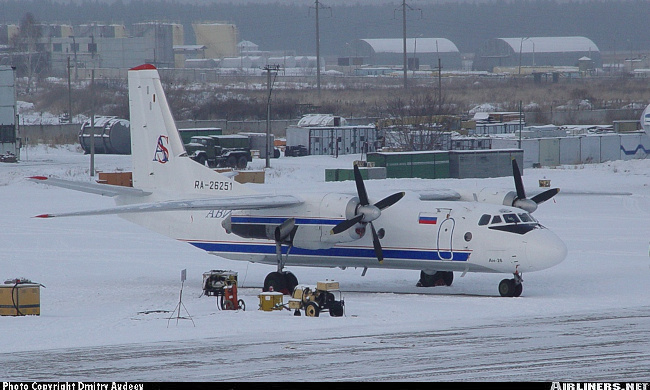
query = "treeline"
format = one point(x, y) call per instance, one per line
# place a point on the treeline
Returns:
point(620, 26)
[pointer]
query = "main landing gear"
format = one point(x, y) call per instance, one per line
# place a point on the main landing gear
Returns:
point(512, 287)
point(280, 280)
point(439, 278)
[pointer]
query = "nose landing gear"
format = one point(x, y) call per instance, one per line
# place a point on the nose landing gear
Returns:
point(512, 287)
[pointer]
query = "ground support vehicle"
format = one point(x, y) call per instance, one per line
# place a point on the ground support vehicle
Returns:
point(315, 300)
point(296, 151)
point(231, 151)
point(223, 285)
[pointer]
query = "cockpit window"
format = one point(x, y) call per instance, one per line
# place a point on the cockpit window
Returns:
point(510, 218)
point(525, 217)
point(485, 219)
point(496, 219)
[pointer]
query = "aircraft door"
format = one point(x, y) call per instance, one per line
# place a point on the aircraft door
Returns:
point(445, 237)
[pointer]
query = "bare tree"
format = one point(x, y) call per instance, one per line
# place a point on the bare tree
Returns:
point(30, 58)
point(417, 123)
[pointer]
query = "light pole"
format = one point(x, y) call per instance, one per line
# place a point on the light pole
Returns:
point(521, 45)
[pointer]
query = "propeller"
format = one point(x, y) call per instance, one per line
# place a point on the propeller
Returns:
point(521, 201)
point(366, 212)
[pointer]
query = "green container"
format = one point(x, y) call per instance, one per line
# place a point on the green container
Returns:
point(331, 174)
point(426, 165)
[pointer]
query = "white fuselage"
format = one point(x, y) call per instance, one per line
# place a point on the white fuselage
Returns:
point(415, 234)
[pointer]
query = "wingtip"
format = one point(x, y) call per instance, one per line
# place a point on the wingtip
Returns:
point(44, 216)
point(38, 177)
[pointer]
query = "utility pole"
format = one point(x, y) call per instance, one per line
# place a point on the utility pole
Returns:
point(404, 42)
point(405, 58)
point(92, 124)
point(269, 83)
point(69, 93)
point(317, 7)
point(317, 50)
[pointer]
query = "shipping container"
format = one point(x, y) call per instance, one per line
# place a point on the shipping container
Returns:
point(334, 140)
point(569, 150)
point(549, 152)
point(465, 164)
point(423, 164)
point(610, 147)
point(590, 149)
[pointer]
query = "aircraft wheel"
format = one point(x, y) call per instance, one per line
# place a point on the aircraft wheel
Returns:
point(440, 278)
point(426, 280)
point(447, 278)
point(290, 281)
point(275, 280)
point(507, 288)
point(312, 310)
point(519, 288)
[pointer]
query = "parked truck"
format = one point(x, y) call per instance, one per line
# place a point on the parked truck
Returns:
point(220, 150)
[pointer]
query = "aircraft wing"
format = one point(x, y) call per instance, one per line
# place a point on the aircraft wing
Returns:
point(438, 194)
point(244, 202)
point(93, 188)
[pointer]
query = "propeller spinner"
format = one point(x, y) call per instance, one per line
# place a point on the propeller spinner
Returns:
point(366, 212)
point(521, 201)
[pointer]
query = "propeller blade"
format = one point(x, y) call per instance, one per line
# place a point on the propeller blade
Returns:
point(361, 188)
point(345, 225)
point(389, 200)
point(519, 184)
point(544, 196)
point(375, 242)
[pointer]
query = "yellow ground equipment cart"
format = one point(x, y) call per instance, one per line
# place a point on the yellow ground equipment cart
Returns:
point(223, 285)
point(19, 297)
point(314, 300)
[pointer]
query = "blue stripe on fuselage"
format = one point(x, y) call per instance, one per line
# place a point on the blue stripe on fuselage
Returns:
point(280, 220)
point(410, 254)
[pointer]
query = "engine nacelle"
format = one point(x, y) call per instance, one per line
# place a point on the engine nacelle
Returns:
point(314, 220)
point(498, 196)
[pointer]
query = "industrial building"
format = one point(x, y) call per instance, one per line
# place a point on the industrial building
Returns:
point(421, 53)
point(220, 39)
point(536, 51)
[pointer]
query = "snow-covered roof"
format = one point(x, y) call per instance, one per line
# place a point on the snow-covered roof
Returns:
point(550, 44)
point(318, 120)
point(419, 45)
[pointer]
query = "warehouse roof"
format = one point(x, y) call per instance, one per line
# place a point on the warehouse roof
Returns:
point(419, 45)
point(550, 44)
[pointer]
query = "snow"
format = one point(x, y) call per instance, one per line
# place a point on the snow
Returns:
point(111, 289)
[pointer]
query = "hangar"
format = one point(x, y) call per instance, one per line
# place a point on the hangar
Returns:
point(420, 52)
point(535, 51)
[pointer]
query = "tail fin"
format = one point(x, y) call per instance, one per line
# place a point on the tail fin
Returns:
point(159, 158)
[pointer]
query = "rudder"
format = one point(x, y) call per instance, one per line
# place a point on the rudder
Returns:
point(159, 158)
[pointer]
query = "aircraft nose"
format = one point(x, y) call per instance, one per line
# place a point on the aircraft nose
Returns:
point(544, 250)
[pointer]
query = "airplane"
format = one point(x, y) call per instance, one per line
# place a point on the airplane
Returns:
point(436, 232)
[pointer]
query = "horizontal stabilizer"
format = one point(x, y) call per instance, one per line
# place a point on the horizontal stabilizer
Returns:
point(251, 202)
point(92, 188)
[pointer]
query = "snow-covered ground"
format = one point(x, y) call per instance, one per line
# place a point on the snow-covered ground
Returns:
point(111, 288)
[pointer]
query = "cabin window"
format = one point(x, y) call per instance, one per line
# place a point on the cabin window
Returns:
point(485, 219)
